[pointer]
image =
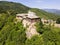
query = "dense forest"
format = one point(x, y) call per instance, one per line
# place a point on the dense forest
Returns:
point(12, 33)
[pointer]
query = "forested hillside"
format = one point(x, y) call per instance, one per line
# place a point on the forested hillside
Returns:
point(12, 33)
point(44, 14)
point(10, 7)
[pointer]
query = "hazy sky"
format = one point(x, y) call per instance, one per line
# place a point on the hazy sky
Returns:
point(50, 4)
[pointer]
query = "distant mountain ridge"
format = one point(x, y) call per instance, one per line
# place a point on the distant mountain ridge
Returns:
point(57, 11)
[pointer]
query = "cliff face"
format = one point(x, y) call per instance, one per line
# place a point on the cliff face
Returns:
point(29, 20)
point(31, 30)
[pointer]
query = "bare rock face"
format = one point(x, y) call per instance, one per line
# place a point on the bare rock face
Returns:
point(31, 28)
point(31, 31)
point(29, 20)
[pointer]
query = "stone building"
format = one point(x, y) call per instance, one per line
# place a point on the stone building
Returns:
point(29, 20)
point(48, 21)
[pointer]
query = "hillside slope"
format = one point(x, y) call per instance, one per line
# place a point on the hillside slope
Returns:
point(12, 7)
point(44, 14)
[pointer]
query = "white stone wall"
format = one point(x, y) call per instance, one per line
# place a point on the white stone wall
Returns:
point(24, 22)
point(57, 25)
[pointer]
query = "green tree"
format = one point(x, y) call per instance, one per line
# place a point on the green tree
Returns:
point(51, 38)
point(58, 21)
point(35, 40)
point(39, 27)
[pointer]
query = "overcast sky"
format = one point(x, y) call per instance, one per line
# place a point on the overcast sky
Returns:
point(44, 4)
